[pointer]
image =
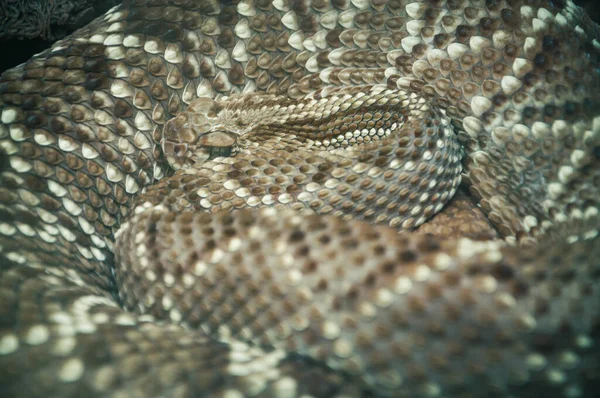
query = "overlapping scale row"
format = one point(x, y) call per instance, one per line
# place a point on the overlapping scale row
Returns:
point(74, 340)
point(408, 314)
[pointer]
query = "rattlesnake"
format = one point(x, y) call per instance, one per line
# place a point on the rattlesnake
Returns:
point(247, 243)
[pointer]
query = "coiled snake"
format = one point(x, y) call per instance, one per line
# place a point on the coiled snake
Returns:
point(249, 246)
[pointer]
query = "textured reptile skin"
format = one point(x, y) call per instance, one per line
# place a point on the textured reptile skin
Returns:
point(250, 245)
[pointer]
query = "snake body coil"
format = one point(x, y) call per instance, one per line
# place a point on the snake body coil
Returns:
point(202, 198)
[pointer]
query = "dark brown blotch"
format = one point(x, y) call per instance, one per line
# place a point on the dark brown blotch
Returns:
point(95, 81)
point(511, 18)
point(122, 109)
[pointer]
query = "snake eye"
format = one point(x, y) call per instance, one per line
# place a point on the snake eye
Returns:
point(217, 143)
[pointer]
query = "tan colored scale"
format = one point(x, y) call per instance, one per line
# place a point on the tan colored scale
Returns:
point(252, 269)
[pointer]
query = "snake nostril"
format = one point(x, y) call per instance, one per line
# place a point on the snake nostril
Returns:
point(179, 150)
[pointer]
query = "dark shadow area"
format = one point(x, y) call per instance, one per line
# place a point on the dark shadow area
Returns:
point(18, 51)
point(592, 7)
point(28, 27)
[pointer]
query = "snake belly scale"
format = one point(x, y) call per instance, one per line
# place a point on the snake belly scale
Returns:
point(304, 198)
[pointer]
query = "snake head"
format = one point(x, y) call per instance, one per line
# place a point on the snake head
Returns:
point(195, 136)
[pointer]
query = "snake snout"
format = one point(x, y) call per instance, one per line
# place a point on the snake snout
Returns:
point(176, 153)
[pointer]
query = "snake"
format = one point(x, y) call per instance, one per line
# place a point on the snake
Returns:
point(304, 198)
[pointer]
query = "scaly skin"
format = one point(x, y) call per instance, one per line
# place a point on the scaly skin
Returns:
point(175, 300)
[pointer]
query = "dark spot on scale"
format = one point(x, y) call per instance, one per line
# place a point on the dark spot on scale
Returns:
point(228, 15)
point(296, 236)
point(210, 245)
point(429, 245)
point(34, 120)
point(135, 27)
point(58, 125)
point(388, 267)
point(570, 109)
point(520, 289)
point(193, 258)
point(590, 107)
point(122, 109)
point(226, 38)
point(407, 256)
point(94, 81)
point(474, 270)
point(173, 34)
point(156, 29)
point(309, 267)
point(352, 293)
point(3, 160)
point(464, 32)
point(227, 220)
point(492, 4)
point(530, 79)
point(543, 344)
point(549, 43)
point(308, 24)
point(567, 276)
point(499, 100)
point(135, 13)
point(302, 251)
point(29, 102)
point(379, 250)
point(94, 65)
point(324, 239)
point(529, 112)
point(541, 60)
point(370, 280)
point(539, 276)
point(541, 307)
point(510, 18)
point(503, 272)
point(486, 23)
point(322, 285)
point(229, 232)
point(555, 4)
point(550, 110)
